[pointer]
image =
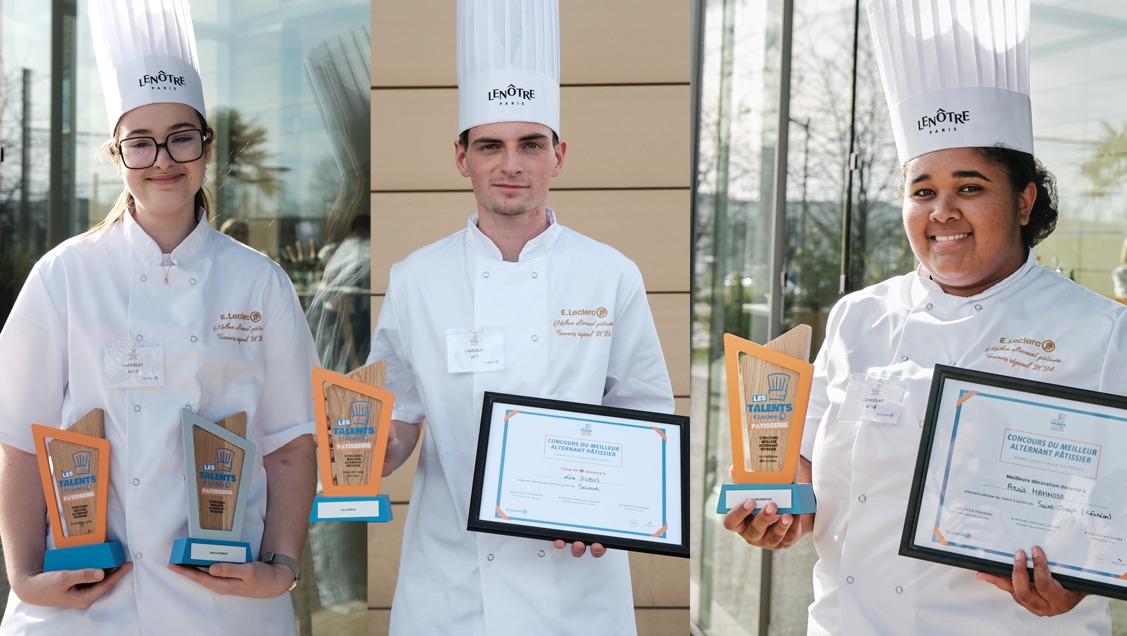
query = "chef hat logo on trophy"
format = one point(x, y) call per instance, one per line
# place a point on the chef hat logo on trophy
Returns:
point(777, 386)
point(224, 459)
point(81, 462)
point(361, 412)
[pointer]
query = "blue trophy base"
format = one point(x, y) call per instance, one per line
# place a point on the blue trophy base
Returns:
point(206, 552)
point(99, 555)
point(371, 509)
point(792, 499)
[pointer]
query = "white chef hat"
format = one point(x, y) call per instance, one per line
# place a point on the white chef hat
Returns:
point(508, 62)
point(955, 72)
point(146, 53)
point(340, 73)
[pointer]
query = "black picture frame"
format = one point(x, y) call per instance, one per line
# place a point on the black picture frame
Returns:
point(934, 466)
point(675, 541)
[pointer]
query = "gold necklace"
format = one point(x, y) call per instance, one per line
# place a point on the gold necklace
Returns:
point(166, 268)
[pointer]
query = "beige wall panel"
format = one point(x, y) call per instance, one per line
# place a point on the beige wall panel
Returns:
point(662, 622)
point(384, 542)
point(635, 41)
point(671, 315)
point(650, 227)
point(681, 406)
point(378, 620)
point(629, 137)
point(659, 581)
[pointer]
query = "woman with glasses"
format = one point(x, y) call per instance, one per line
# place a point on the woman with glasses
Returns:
point(150, 313)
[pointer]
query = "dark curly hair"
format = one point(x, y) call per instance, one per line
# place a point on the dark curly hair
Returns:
point(1023, 168)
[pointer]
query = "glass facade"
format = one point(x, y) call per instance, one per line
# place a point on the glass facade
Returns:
point(838, 161)
point(288, 89)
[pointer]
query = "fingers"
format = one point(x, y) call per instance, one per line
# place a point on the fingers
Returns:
point(578, 548)
point(768, 529)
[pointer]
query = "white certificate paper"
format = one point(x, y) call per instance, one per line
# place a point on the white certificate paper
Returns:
point(1009, 464)
point(548, 471)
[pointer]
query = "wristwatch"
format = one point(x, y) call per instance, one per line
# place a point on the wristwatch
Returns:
point(291, 563)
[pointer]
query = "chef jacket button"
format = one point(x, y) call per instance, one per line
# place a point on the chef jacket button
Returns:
point(192, 282)
point(535, 338)
point(136, 482)
point(144, 278)
point(485, 274)
point(535, 275)
point(899, 589)
point(921, 423)
point(489, 558)
point(929, 305)
point(137, 408)
point(193, 338)
point(138, 556)
point(540, 554)
point(978, 307)
point(849, 579)
point(862, 498)
point(139, 338)
point(903, 358)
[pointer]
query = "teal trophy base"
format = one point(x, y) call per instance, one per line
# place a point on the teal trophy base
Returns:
point(206, 552)
point(99, 555)
point(370, 509)
point(792, 499)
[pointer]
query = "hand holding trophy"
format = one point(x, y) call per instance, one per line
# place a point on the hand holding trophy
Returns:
point(353, 420)
point(768, 390)
point(74, 466)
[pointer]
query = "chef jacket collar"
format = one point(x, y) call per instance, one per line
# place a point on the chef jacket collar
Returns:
point(930, 290)
point(535, 247)
point(149, 252)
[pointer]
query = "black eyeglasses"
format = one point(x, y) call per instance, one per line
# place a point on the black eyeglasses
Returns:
point(183, 146)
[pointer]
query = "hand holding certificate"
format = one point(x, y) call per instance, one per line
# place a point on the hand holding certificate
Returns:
point(560, 470)
point(1006, 464)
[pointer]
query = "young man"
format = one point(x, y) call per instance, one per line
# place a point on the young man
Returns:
point(507, 283)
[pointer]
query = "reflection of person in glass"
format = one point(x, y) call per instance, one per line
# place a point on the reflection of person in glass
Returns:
point(975, 203)
point(504, 279)
point(1119, 275)
point(221, 332)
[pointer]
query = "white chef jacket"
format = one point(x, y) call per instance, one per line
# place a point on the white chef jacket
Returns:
point(863, 471)
point(234, 339)
point(452, 581)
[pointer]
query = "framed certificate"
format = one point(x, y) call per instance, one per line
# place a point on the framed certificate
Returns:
point(548, 469)
point(1006, 463)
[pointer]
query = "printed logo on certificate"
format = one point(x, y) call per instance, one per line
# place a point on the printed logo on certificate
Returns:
point(549, 469)
point(1007, 463)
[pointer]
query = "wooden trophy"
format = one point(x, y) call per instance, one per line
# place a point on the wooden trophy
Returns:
point(353, 420)
point(216, 455)
point(768, 390)
point(74, 466)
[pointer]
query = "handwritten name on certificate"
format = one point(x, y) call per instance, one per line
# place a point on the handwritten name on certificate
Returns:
point(588, 473)
point(1012, 469)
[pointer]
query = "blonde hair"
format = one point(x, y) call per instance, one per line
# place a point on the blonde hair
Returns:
point(124, 201)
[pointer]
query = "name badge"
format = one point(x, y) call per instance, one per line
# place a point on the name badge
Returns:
point(475, 350)
point(130, 367)
point(873, 397)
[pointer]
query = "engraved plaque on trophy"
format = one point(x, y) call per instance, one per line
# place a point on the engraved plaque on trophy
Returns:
point(768, 391)
point(74, 466)
point(353, 420)
point(216, 458)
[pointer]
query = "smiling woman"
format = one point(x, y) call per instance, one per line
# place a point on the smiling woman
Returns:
point(151, 283)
